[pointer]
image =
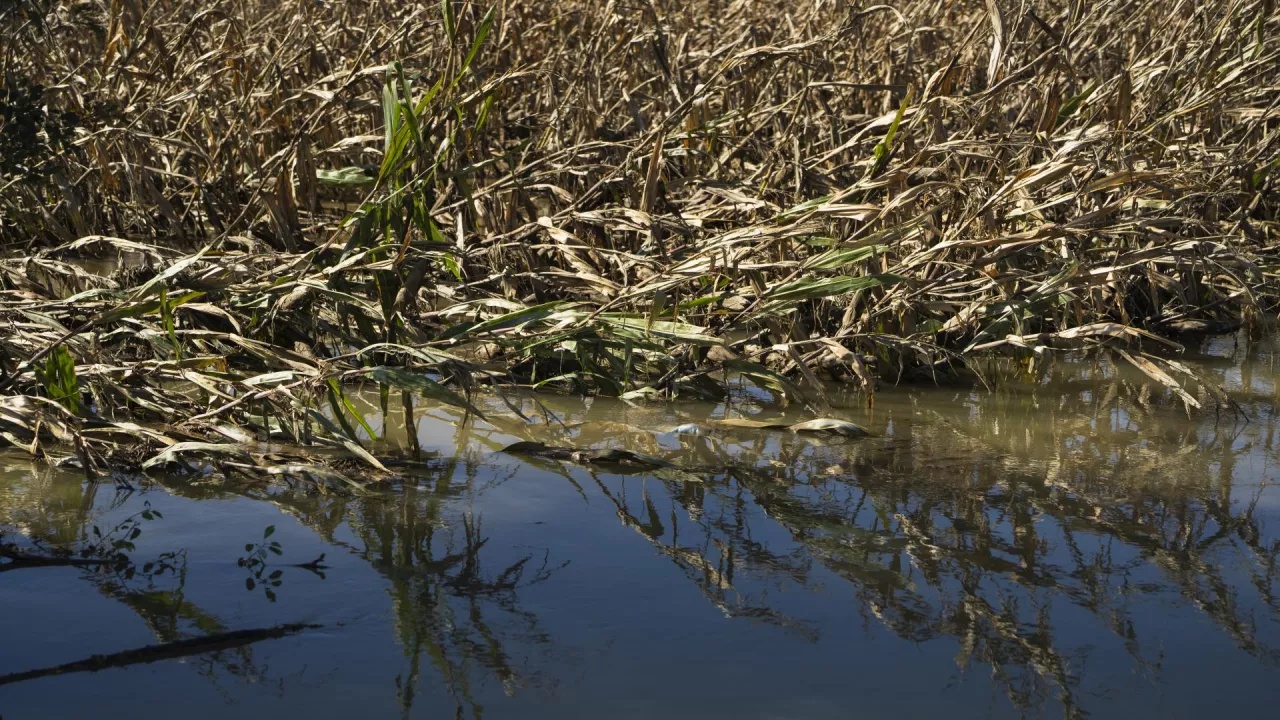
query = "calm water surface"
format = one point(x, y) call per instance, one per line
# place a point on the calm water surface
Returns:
point(1071, 545)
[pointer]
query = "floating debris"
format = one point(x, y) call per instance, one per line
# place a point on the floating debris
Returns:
point(828, 426)
point(825, 426)
point(584, 456)
point(745, 424)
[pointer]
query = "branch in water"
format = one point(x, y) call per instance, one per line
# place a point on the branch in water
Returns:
point(18, 560)
point(167, 651)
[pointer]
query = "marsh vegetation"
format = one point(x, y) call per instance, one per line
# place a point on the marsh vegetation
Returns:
point(638, 200)
point(938, 332)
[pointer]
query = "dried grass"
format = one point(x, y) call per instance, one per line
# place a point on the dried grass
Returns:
point(630, 199)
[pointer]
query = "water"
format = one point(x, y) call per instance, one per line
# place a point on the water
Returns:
point(1072, 545)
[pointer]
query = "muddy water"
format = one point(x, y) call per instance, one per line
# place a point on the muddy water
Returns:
point(1070, 544)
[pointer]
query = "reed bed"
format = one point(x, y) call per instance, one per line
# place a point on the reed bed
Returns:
point(218, 215)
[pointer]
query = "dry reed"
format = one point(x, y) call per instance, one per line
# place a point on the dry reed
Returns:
point(626, 198)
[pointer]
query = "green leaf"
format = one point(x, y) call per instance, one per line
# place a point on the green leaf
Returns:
point(642, 326)
point(839, 257)
point(137, 309)
point(166, 317)
point(451, 263)
point(58, 377)
point(350, 176)
point(425, 354)
point(389, 115)
point(421, 384)
point(766, 378)
point(803, 207)
point(810, 288)
point(1073, 104)
point(1260, 176)
point(446, 14)
point(171, 272)
point(484, 111)
point(338, 400)
point(483, 32)
point(422, 218)
point(512, 319)
point(173, 452)
point(406, 107)
point(884, 148)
